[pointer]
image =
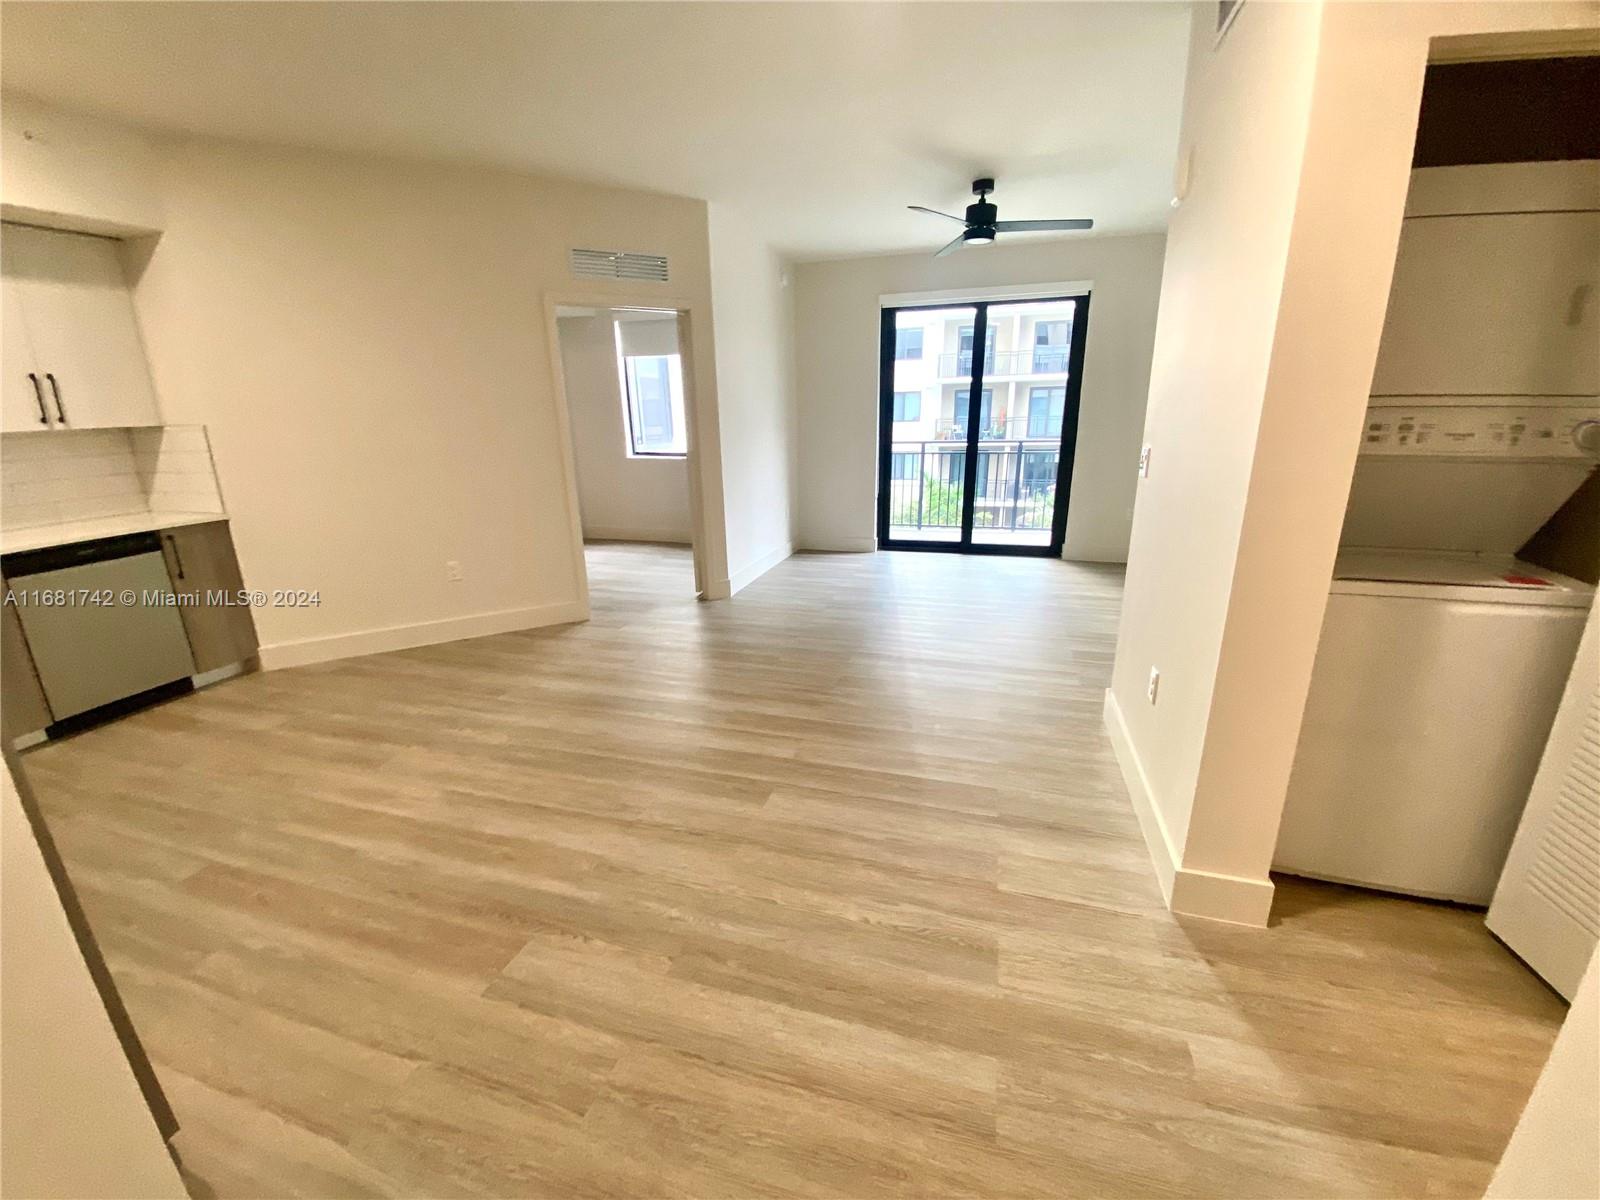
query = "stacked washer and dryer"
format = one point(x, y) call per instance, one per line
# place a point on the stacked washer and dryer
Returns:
point(1443, 656)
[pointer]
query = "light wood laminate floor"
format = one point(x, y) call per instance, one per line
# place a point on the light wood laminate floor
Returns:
point(832, 889)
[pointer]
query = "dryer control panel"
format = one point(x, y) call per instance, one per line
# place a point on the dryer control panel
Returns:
point(1479, 432)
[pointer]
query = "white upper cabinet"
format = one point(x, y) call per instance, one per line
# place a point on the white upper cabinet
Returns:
point(21, 388)
point(1496, 284)
point(72, 347)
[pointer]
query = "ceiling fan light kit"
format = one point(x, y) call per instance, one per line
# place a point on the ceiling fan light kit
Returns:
point(982, 223)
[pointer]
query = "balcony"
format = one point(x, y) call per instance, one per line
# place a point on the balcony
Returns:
point(1037, 361)
point(1015, 493)
point(1007, 429)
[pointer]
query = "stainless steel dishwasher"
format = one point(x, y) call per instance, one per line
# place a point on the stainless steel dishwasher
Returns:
point(90, 645)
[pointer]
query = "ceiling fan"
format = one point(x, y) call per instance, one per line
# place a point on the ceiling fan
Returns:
point(981, 226)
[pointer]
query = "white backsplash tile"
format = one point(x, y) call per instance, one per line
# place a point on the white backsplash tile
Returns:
point(86, 474)
point(175, 468)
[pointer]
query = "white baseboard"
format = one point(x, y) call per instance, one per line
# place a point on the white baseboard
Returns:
point(1162, 855)
point(840, 545)
point(1230, 898)
point(744, 577)
point(426, 633)
point(670, 537)
point(1189, 892)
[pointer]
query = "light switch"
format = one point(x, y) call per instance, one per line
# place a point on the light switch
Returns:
point(1144, 462)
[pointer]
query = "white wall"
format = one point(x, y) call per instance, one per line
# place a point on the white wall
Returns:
point(836, 342)
point(755, 395)
point(620, 496)
point(1555, 1148)
point(1301, 127)
point(368, 343)
point(76, 1123)
point(1246, 111)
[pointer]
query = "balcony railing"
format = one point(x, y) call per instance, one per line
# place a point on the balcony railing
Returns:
point(1007, 429)
point(1016, 485)
point(1038, 361)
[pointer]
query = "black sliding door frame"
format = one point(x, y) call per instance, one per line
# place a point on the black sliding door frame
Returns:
point(969, 498)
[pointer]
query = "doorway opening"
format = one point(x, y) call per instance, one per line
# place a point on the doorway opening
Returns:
point(978, 418)
point(628, 402)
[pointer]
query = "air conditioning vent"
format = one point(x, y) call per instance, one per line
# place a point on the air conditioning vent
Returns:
point(615, 264)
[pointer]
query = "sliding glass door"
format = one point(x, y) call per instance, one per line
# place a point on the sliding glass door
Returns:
point(978, 417)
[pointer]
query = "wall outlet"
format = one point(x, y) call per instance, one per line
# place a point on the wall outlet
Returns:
point(452, 571)
point(1144, 462)
point(1155, 684)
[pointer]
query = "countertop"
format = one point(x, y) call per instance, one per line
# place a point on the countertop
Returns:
point(13, 541)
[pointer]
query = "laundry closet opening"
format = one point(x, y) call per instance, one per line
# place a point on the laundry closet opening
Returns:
point(1451, 735)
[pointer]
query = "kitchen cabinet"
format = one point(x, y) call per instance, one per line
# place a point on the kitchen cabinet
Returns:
point(1497, 304)
point(59, 661)
point(23, 708)
point(73, 355)
point(202, 564)
point(21, 389)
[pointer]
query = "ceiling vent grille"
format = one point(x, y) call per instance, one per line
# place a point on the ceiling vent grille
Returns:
point(614, 264)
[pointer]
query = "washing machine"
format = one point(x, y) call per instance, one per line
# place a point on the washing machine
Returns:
point(1442, 656)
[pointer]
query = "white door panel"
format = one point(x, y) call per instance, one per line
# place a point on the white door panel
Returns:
point(22, 411)
point(1547, 904)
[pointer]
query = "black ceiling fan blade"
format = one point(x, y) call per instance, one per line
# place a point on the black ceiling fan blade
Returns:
point(1033, 226)
point(933, 212)
point(959, 238)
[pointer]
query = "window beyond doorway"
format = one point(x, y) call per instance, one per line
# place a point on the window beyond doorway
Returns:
point(908, 406)
point(908, 344)
point(654, 387)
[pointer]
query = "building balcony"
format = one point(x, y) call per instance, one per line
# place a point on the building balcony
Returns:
point(1001, 363)
point(998, 430)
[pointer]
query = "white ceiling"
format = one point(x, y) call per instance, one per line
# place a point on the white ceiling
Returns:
point(826, 119)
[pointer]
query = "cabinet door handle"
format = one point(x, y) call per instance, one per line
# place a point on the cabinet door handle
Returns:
point(55, 390)
point(177, 559)
point(38, 394)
